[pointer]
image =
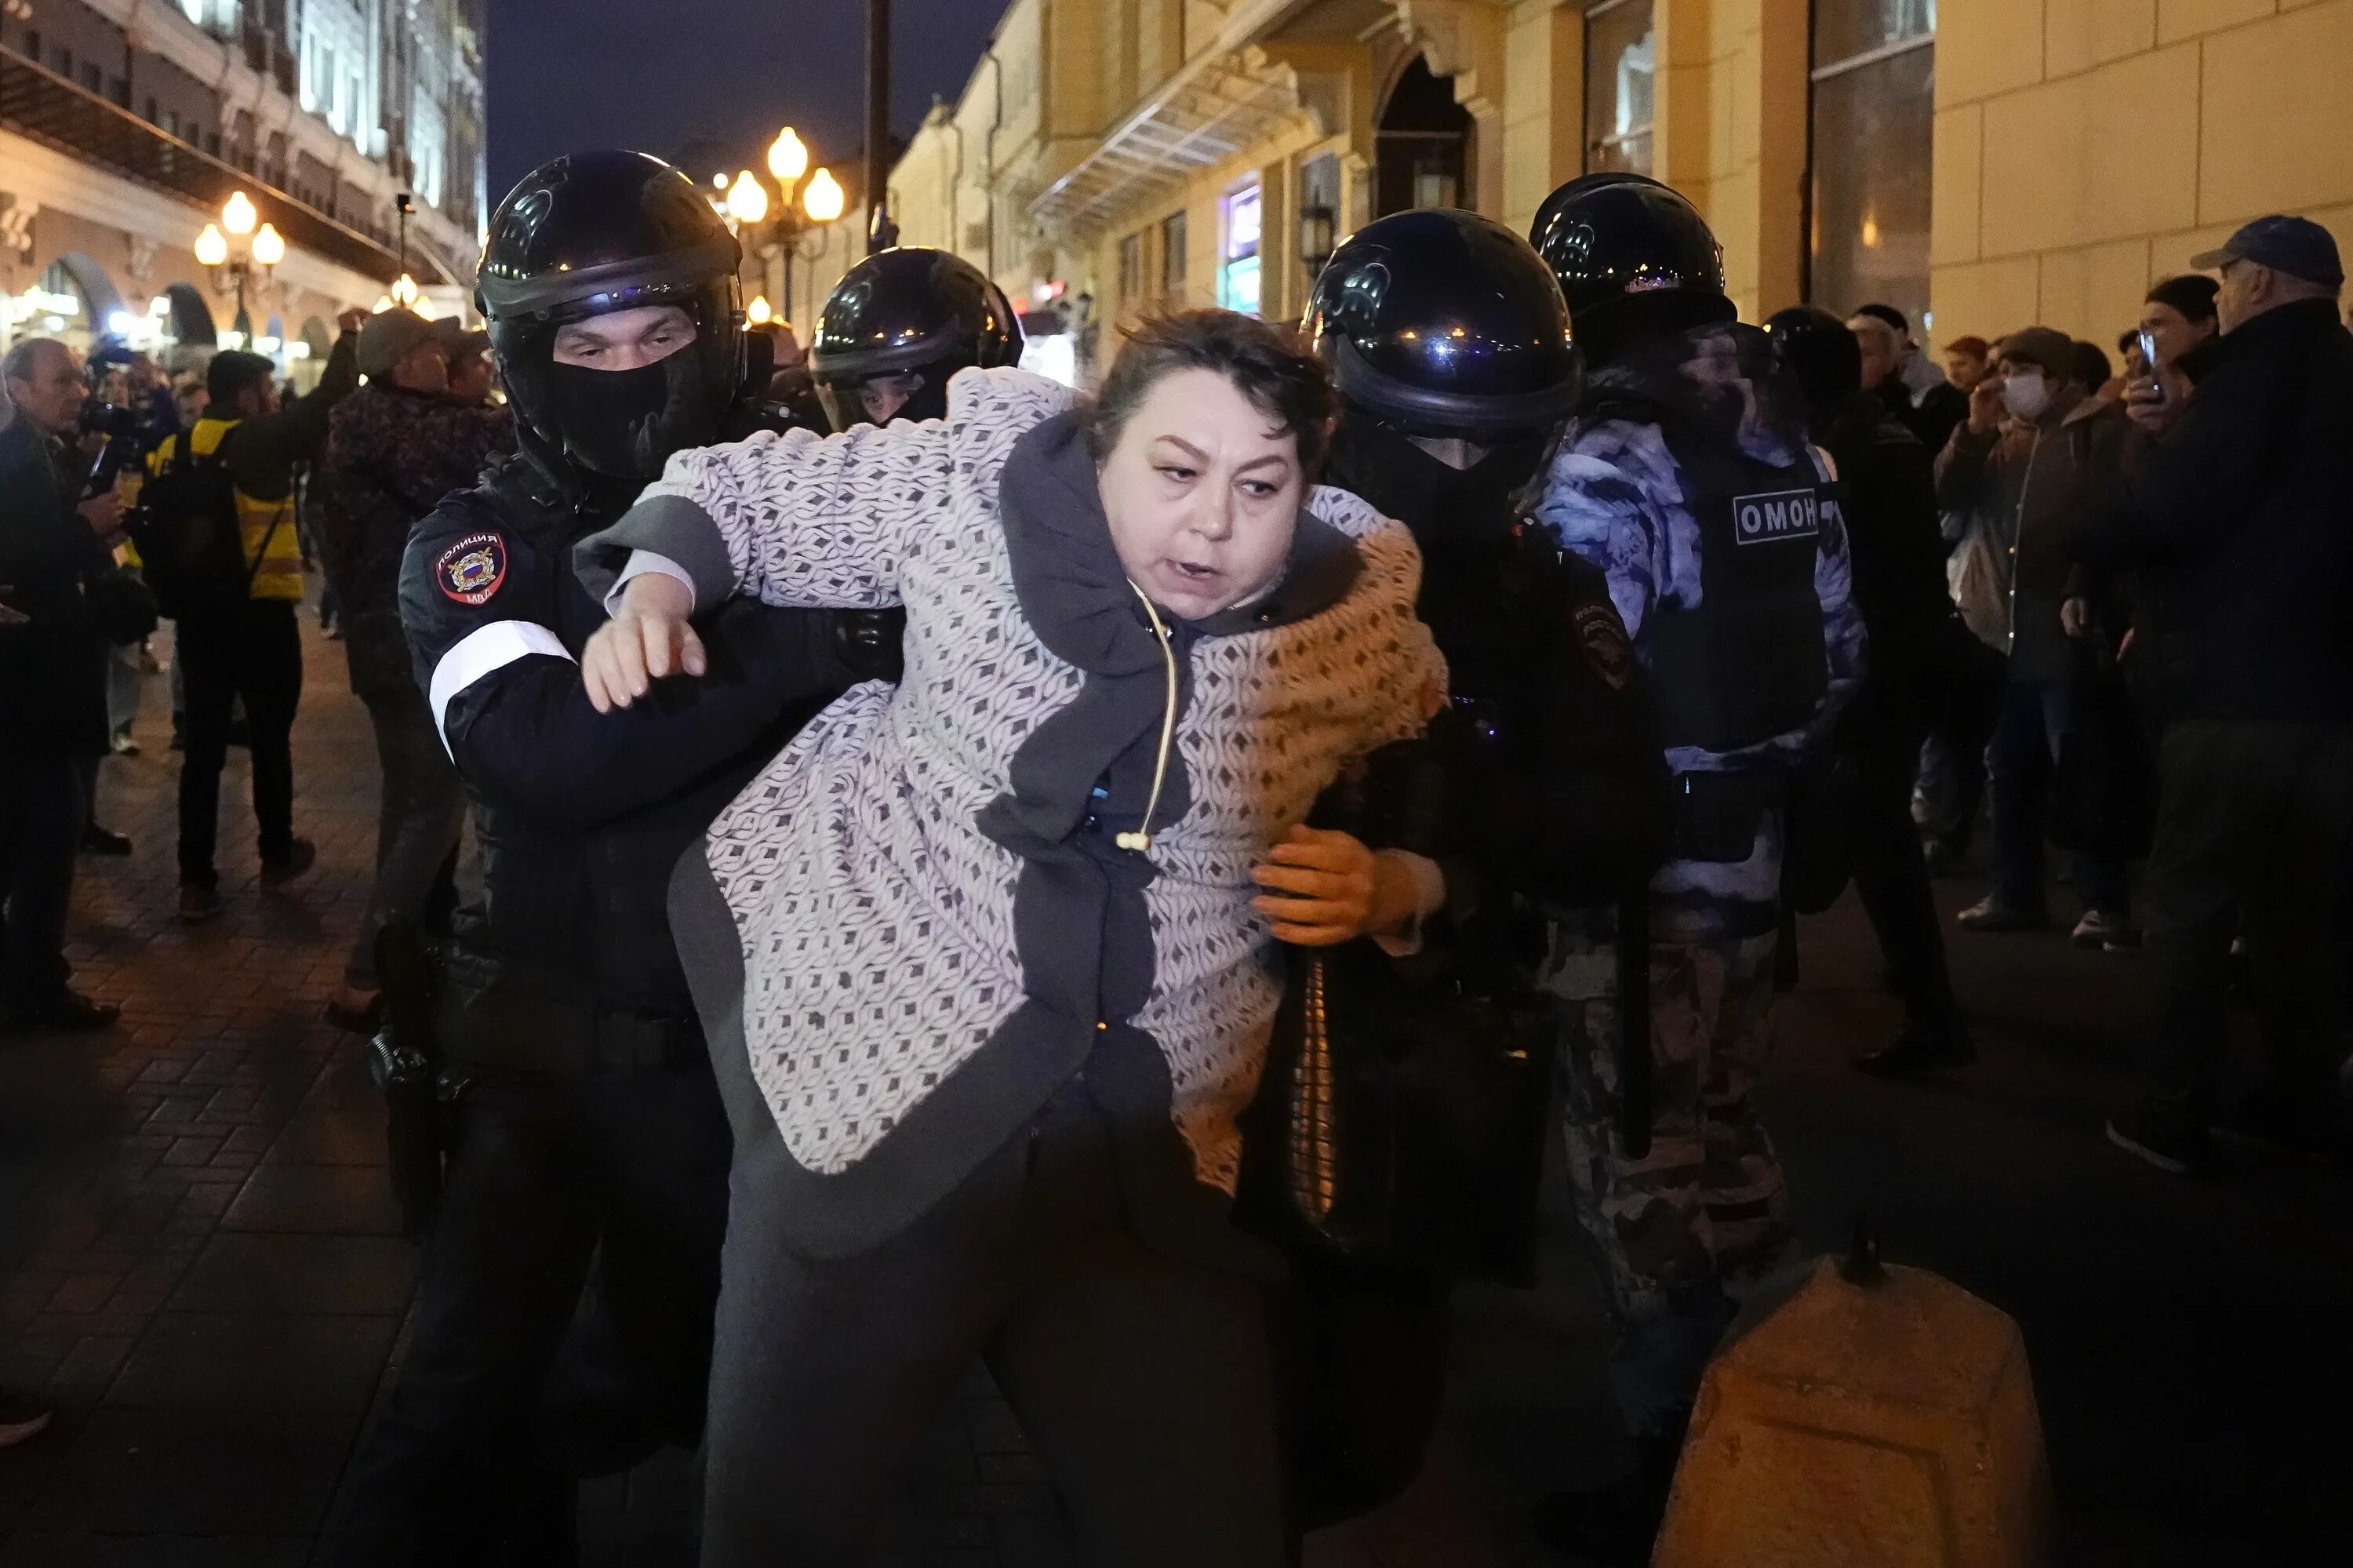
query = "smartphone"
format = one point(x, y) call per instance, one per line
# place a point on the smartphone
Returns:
point(2148, 357)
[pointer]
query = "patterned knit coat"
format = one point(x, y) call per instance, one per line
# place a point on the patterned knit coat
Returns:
point(933, 935)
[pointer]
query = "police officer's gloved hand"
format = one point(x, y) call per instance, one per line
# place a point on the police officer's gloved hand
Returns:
point(867, 643)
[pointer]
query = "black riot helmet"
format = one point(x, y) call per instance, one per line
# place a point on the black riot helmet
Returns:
point(1441, 322)
point(1819, 350)
point(591, 235)
point(1634, 259)
point(908, 312)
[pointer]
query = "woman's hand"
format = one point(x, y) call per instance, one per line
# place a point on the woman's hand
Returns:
point(1325, 888)
point(648, 638)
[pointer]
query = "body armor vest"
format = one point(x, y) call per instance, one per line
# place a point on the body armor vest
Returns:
point(1747, 663)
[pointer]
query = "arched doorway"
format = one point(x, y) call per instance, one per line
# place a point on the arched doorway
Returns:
point(1422, 146)
point(96, 305)
point(191, 319)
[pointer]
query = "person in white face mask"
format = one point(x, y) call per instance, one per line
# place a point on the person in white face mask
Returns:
point(2035, 452)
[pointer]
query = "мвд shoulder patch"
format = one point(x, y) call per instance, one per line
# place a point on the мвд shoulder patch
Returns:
point(471, 571)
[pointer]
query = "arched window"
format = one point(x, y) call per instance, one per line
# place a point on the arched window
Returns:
point(1422, 146)
point(1621, 62)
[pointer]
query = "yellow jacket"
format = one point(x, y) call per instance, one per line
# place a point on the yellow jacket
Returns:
point(273, 551)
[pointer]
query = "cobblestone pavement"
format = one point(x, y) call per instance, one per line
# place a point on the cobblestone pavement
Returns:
point(199, 1257)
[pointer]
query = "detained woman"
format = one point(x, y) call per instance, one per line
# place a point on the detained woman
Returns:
point(985, 959)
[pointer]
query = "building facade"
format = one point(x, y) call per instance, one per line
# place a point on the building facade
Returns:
point(125, 125)
point(1982, 165)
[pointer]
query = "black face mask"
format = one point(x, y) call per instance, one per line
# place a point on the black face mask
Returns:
point(624, 423)
point(1452, 512)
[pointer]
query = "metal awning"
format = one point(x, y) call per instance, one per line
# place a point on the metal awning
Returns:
point(1213, 107)
point(36, 102)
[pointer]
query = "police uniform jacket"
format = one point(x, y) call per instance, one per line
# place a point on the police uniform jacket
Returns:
point(567, 965)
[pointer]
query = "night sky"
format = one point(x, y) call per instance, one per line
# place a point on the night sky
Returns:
point(706, 83)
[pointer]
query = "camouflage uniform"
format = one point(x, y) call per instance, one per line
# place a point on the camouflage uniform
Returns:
point(1683, 1232)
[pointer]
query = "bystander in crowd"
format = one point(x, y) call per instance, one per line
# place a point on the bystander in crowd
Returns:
point(237, 640)
point(2035, 452)
point(395, 448)
point(1905, 379)
point(2234, 525)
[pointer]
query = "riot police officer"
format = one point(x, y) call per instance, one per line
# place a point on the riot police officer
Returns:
point(1687, 477)
point(897, 326)
point(1450, 346)
point(1888, 490)
point(589, 1126)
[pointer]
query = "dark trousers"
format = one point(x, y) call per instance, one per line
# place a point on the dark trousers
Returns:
point(254, 652)
point(422, 812)
point(630, 1171)
point(1966, 703)
point(2252, 823)
point(1144, 1383)
point(43, 808)
point(1891, 876)
point(2024, 762)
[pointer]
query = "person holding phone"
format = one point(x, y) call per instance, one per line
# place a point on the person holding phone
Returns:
point(2177, 317)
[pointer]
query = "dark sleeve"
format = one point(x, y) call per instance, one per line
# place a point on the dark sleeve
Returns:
point(1598, 773)
point(1966, 469)
point(508, 697)
point(2168, 503)
point(262, 457)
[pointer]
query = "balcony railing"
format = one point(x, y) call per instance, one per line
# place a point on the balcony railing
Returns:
point(38, 103)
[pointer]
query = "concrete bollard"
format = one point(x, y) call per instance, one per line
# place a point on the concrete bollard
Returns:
point(1876, 1418)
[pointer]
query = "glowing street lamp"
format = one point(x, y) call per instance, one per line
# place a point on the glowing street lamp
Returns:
point(233, 251)
point(747, 199)
point(759, 312)
point(823, 199)
point(788, 158)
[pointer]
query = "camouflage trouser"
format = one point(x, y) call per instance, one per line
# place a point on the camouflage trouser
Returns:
point(1683, 1232)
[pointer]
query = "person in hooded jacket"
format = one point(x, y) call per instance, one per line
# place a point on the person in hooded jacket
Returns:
point(1687, 477)
point(1888, 502)
point(588, 1127)
point(1450, 348)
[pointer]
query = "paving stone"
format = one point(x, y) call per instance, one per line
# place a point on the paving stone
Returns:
point(238, 1273)
point(251, 1361)
point(168, 1471)
point(332, 1199)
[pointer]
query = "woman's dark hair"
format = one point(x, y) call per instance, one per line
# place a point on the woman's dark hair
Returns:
point(2192, 294)
point(1264, 362)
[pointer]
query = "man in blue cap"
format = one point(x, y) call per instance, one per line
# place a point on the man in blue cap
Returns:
point(2237, 527)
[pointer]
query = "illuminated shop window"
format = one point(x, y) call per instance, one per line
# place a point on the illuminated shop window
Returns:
point(1237, 270)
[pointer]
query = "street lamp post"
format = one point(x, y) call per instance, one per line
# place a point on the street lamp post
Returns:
point(881, 233)
point(807, 200)
point(235, 250)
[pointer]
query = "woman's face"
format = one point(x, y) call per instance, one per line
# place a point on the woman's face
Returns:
point(1203, 494)
point(2175, 333)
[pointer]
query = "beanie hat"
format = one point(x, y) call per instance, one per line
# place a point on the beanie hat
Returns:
point(2051, 351)
point(2192, 294)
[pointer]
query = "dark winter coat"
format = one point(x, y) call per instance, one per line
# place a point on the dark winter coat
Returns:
point(53, 664)
point(1896, 557)
point(2238, 528)
point(391, 456)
